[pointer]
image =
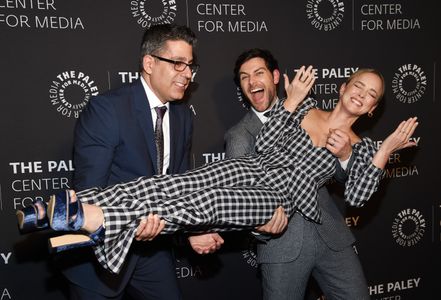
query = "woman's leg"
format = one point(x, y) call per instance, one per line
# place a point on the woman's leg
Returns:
point(124, 204)
point(218, 209)
point(135, 199)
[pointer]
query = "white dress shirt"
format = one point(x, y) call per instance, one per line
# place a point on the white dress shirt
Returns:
point(155, 102)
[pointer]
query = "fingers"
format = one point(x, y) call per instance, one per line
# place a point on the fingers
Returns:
point(149, 228)
point(218, 242)
point(160, 227)
point(339, 143)
point(408, 125)
point(140, 229)
point(299, 74)
point(406, 128)
point(280, 221)
point(206, 243)
point(306, 76)
point(332, 138)
point(336, 138)
point(400, 138)
point(299, 87)
point(303, 75)
point(277, 224)
point(218, 239)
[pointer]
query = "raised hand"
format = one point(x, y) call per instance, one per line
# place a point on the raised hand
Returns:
point(399, 139)
point(299, 87)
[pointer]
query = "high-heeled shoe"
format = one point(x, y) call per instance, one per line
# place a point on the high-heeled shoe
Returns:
point(65, 215)
point(33, 217)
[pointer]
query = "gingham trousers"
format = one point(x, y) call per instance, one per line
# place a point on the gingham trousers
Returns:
point(225, 195)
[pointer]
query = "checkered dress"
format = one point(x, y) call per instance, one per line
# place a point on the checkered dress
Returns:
point(233, 194)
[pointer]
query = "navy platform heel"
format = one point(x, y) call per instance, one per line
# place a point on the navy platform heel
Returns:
point(33, 217)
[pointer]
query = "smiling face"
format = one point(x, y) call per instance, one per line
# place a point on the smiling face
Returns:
point(362, 93)
point(258, 83)
point(161, 76)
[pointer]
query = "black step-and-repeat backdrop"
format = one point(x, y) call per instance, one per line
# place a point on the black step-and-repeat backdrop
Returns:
point(55, 55)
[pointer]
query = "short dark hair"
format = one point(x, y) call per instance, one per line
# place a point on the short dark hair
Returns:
point(156, 36)
point(270, 61)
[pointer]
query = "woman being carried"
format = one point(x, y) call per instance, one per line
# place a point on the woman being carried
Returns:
point(295, 156)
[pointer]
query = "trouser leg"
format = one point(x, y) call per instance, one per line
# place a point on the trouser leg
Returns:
point(288, 280)
point(340, 275)
point(154, 277)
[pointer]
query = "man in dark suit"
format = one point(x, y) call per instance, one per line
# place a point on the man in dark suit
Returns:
point(116, 140)
point(305, 248)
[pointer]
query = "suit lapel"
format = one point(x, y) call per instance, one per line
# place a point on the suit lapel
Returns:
point(144, 118)
point(252, 123)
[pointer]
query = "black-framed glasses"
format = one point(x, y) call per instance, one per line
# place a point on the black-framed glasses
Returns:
point(179, 65)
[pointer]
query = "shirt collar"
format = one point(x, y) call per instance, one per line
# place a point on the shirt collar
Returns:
point(261, 114)
point(151, 97)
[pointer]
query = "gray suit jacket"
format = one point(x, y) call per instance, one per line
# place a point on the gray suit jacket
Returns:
point(240, 140)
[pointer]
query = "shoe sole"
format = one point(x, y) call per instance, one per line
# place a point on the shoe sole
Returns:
point(68, 240)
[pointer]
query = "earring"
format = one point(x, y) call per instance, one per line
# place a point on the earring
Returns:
point(370, 114)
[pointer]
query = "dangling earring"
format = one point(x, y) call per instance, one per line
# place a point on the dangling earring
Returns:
point(370, 114)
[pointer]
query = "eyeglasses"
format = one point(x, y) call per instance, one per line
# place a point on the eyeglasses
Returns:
point(179, 65)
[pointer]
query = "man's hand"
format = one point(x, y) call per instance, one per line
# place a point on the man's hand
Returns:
point(277, 223)
point(149, 228)
point(206, 243)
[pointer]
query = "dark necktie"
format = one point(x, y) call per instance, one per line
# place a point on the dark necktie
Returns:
point(267, 113)
point(159, 137)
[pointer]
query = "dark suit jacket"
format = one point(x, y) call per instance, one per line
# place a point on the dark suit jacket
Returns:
point(114, 143)
point(240, 140)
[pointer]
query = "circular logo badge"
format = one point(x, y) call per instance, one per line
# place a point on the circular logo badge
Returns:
point(409, 83)
point(148, 13)
point(408, 227)
point(325, 15)
point(70, 92)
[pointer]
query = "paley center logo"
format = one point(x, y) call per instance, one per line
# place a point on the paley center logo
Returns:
point(408, 227)
point(409, 83)
point(325, 15)
point(148, 13)
point(70, 91)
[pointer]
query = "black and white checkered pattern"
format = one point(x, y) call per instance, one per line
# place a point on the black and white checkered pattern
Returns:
point(232, 194)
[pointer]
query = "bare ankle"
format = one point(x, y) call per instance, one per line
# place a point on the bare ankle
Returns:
point(93, 217)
